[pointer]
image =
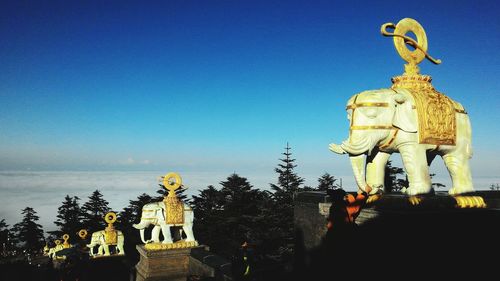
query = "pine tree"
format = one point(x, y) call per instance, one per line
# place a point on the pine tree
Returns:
point(132, 213)
point(94, 211)
point(282, 212)
point(4, 234)
point(129, 216)
point(288, 181)
point(69, 217)
point(224, 217)
point(162, 191)
point(210, 223)
point(391, 181)
point(326, 182)
point(29, 232)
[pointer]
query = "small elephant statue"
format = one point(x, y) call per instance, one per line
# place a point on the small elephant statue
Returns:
point(51, 252)
point(99, 239)
point(386, 121)
point(155, 214)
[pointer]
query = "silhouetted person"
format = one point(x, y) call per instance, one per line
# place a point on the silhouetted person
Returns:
point(341, 250)
point(243, 263)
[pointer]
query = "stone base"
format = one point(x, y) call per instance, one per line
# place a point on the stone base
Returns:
point(398, 236)
point(312, 208)
point(156, 265)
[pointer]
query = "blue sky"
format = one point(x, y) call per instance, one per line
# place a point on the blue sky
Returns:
point(197, 86)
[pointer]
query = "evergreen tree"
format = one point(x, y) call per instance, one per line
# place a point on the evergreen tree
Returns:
point(288, 181)
point(94, 211)
point(227, 216)
point(282, 212)
point(69, 217)
point(132, 213)
point(129, 216)
point(162, 191)
point(326, 182)
point(29, 232)
point(391, 180)
point(4, 234)
point(210, 223)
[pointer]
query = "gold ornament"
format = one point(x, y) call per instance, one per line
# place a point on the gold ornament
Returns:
point(66, 244)
point(82, 233)
point(173, 206)
point(110, 234)
point(170, 246)
point(400, 40)
point(435, 111)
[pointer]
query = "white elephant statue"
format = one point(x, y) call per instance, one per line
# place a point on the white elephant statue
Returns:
point(155, 214)
point(99, 239)
point(386, 121)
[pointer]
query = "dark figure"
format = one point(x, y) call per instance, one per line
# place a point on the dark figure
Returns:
point(342, 247)
point(243, 263)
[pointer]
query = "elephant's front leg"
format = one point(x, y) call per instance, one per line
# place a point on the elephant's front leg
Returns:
point(165, 228)
point(106, 249)
point(415, 163)
point(155, 234)
point(375, 171)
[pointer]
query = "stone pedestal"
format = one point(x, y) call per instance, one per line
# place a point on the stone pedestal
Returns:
point(391, 212)
point(156, 265)
point(399, 236)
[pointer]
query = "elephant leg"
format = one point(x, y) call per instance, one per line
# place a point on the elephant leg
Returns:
point(375, 171)
point(415, 164)
point(155, 234)
point(458, 167)
point(106, 250)
point(167, 237)
point(188, 230)
point(119, 245)
point(100, 250)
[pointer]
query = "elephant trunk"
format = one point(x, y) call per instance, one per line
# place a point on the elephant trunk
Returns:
point(141, 225)
point(358, 168)
point(357, 146)
point(142, 236)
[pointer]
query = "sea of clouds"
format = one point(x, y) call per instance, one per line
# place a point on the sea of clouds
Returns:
point(45, 191)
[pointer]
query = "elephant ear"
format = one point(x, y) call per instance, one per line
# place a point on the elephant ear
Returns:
point(404, 116)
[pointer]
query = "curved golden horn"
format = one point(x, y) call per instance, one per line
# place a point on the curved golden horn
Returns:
point(408, 40)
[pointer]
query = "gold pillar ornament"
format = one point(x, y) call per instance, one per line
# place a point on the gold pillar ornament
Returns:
point(65, 243)
point(110, 234)
point(435, 111)
point(82, 233)
point(173, 206)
